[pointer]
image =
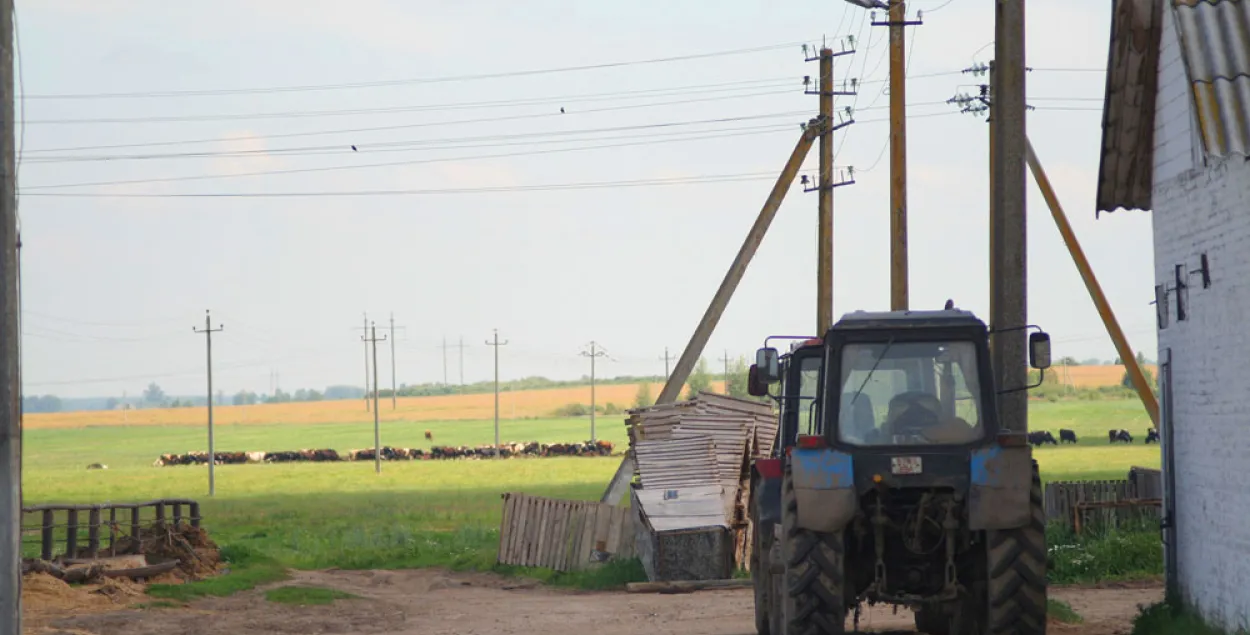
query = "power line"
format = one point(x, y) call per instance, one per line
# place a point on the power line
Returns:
point(400, 82)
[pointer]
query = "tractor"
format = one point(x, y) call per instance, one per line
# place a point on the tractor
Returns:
point(893, 480)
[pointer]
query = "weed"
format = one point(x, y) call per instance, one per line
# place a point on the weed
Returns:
point(248, 570)
point(1063, 612)
point(306, 595)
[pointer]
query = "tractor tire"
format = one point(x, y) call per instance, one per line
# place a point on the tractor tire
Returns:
point(761, 578)
point(815, 578)
point(1016, 568)
point(932, 621)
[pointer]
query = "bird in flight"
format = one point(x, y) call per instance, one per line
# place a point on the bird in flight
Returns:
point(562, 110)
point(353, 148)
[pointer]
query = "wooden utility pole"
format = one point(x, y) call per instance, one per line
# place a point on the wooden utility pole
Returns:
point(1095, 290)
point(10, 369)
point(365, 328)
point(1008, 229)
point(371, 341)
point(694, 348)
point(898, 157)
point(394, 388)
point(496, 344)
point(594, 352)
point(824, 231)
point(208, 331)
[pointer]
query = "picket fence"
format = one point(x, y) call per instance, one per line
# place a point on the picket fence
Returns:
point(563, 535)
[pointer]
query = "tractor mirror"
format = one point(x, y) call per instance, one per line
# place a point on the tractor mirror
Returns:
point(755, 386)
point(1039, 350)
point(769, 368)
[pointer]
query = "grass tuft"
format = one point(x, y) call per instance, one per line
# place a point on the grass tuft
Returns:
point(306, 595)
point(1104, 556)
point(1062, 612)
point(248, 570)
point(1170, 619)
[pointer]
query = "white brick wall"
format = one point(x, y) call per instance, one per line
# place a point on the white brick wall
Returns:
point(1201, 210)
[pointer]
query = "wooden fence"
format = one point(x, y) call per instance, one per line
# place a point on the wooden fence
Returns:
point(1076, 505)
point(562, 535)
point(169, 510)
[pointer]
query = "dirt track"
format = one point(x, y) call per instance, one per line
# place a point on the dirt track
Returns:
point(437, 603)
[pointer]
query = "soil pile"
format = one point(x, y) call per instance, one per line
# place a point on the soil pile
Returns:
point(197, 555)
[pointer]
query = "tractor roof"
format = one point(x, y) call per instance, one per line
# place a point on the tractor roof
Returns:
point(905, 319)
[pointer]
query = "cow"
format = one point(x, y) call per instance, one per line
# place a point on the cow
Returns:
point(1152, 436)
point(1067, 436)
point(429, 436)
point(97, 466)
point(255, 457)
point(1125, 437)
point(1041, 437)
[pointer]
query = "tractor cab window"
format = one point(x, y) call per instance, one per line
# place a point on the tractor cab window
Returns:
point(909, 393)
point(800, 389)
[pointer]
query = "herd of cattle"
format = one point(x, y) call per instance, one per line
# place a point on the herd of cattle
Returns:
point(1042, 437)
point(388, 453)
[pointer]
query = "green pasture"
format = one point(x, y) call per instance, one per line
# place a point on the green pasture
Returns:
point(418, 513)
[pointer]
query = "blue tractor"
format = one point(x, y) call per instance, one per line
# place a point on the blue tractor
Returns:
point(893, 480)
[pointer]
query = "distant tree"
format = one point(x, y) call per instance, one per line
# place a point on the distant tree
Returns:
point(153, 394)
point(111, 404)
point(1069, 361)
point(700, 380)
point(1141, 358)
point(1093, 361)
point(1127, 380)
point(46, 403)
point(344, 392)
point(736, 383)
point(244, 398)
point(278, 396)
point(642, 399)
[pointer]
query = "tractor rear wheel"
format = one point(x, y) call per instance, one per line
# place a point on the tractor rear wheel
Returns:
point(815, 579)
point(761, 578)
point(1016, 567)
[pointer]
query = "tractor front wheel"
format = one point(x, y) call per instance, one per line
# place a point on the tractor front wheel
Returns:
point(1016, 564)
point(815, 579)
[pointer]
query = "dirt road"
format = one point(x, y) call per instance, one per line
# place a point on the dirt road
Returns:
point(438, 603)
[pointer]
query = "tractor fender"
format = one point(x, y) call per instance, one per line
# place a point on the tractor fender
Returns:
point(998, 496)
point(768, 474)
point(824, 489)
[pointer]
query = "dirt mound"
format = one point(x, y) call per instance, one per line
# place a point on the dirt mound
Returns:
point(44, 593)
point(196, 553)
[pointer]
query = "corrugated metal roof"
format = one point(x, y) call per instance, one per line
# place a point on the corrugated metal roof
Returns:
point(1215, 46)
point(1215, 38)
point(1125, 174)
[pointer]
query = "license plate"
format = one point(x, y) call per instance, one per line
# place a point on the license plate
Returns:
point(905, 465)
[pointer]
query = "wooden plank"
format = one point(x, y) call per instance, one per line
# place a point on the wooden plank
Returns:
point(540, 542)
point(501, 553)
point(575, 532)
point(527, 531)
point(588, 538)
point(556, 552)
point(614, 530)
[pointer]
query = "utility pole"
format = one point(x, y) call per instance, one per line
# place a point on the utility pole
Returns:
point(824, 223)
point(10, 366)
point(394, 389)
point(496, 343)
point(595, 351)
point(371, 340)
point(666, 358)
point(726, 360)
point(208, 331)
point(444, 360)
point(365, 328)
point(898, 156)
point(462, 363)
point(1008, 231)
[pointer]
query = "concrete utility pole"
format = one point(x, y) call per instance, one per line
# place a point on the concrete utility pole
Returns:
point(496, 343)
point(666, 358)
point(371, 340)
point(10, 368)
point(394, 389)
point(726, 360)
point(592, 355)
point(461, 363)
point(444, 360)
point(208, 331)
point(1008, 231)
point(824, 186)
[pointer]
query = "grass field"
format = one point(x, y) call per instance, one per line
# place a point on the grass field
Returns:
point(443, 513)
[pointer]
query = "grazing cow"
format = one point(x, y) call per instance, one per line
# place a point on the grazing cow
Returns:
point(1152, 436)
point(1067, 436)
point(97, 466)
point(429, 436)
point(1125, 437)
point(1041, 437)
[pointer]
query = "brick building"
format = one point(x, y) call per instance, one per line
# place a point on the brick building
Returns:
point(1176, 140)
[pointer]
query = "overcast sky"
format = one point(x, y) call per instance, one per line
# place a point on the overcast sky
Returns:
point(112, 284)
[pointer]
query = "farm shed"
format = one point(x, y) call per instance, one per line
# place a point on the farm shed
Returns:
point(1176, 142)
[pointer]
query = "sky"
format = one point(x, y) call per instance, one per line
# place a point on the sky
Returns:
point(445, 217)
